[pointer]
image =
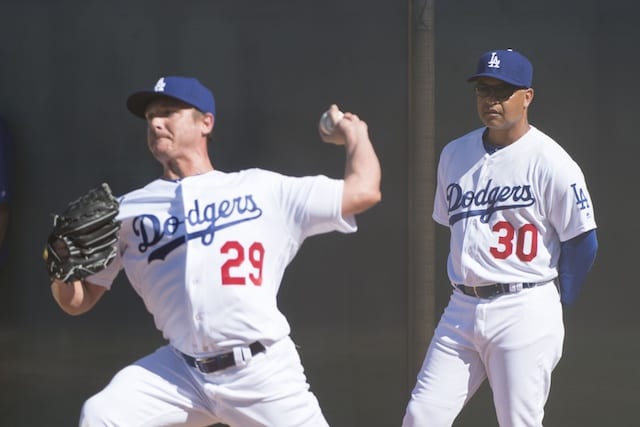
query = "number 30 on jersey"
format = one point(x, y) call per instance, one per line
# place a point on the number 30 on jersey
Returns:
point(523, 242)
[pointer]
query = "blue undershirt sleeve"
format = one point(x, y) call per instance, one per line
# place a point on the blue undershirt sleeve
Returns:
point(576, 258)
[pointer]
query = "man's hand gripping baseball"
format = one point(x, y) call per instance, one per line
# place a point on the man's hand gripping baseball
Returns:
point(362, 173)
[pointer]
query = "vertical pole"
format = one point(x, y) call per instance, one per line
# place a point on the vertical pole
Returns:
point(422, 164)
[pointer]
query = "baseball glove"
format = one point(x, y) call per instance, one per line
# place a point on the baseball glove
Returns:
point(84, 237)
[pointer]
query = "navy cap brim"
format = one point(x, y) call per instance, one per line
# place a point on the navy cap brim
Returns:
point(138, 102)
point(494, 76)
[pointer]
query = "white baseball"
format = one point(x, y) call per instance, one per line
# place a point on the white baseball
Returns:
point(327, 123)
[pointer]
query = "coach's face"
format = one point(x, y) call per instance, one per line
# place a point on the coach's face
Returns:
point(175, 129)
point(502, 106)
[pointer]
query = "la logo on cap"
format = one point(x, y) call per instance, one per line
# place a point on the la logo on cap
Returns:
point(507, 65)
point(494, 61)
point(160, 84)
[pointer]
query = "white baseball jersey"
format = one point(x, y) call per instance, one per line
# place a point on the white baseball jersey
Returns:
point(207, 253)
point(520, 202)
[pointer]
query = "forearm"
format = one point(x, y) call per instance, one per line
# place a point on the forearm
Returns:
point(576, 258)
point(362, 175)
point(77, 297)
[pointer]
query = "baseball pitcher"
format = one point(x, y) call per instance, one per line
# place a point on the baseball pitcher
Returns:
point(206, 250)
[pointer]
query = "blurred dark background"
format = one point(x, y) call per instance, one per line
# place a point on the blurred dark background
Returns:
point(67, 67)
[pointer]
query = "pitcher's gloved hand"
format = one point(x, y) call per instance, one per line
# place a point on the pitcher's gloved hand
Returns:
point(84, 237)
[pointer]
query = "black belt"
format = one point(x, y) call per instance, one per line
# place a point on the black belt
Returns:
point(211, 364)
point(496, 289)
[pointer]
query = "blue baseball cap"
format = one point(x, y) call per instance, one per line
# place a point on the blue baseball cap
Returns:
point(507, 65)
point(185, 89)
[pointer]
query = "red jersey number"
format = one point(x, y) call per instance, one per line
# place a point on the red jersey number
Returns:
point(525, 239)
point(232, 270)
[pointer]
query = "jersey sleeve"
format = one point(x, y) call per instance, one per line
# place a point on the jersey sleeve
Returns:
point(313, 205)
point(440, 211)
point(455, 159)
point(570, 207)
point(106, 277)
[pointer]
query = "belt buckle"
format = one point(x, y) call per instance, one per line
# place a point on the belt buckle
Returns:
point(242, 355)
point(515, 287)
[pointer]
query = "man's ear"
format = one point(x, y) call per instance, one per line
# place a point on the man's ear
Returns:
point(528, 97)
point(208, 121)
